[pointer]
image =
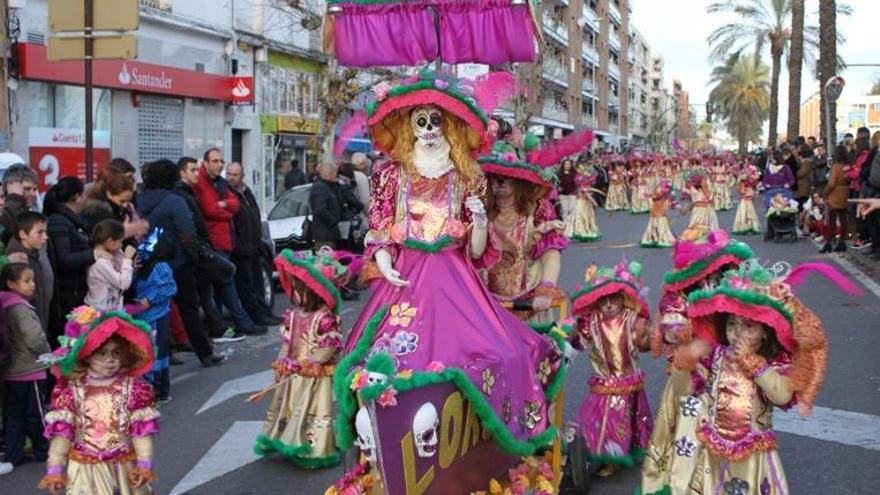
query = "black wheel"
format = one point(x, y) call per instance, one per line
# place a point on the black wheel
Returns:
point(576, 474)
point(268, 290)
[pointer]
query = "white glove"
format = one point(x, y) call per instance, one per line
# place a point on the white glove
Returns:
point(569, 352)
point(383, 261)
point(478, 211)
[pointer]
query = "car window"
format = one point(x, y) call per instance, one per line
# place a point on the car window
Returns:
point(293, 203)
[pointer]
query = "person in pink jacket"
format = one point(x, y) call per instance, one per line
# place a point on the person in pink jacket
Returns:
point(110, 275)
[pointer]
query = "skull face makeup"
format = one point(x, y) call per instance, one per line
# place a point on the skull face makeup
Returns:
point(426, 122)
point(365, 441)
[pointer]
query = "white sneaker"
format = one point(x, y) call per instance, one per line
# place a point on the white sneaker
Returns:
point(6, 468)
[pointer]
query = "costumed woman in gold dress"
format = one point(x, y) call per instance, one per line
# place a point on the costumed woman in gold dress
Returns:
point(617, 198)
point(746, 221)
point(658, 234)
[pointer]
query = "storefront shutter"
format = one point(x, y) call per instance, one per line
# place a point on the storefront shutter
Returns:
point(160, 128)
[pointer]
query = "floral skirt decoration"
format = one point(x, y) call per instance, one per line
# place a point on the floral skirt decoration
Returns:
point(658, 234)
point(746, 221)
point(617, 198)
point(582, 225)
point(640, 202)
point(299, 422)
point(616, 427)
point(759, 474)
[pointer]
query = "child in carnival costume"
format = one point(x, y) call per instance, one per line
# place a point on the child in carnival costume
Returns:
point(526, 238)
point(299, 422)
point(703, 216)
point(102, 418)
point(612, 316)
point(696, 265)
point(618, 177)
point(657, 233)
point(762, 348)
point(640, 191)
point(746, 221)
point(428, 228)
point(583, 226)
point(721, 175)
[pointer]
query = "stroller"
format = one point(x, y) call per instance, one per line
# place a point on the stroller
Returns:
point(781, 215)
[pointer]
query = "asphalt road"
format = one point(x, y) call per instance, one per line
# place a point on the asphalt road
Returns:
point(835, 452)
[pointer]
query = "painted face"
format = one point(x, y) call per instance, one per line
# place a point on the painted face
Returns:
point(741, 329)
point(502, 187)
point(611, 306)
point(426, 122)
point(107, 359)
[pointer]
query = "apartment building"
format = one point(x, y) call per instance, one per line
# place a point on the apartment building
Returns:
point(663, 109)
point(595, 71)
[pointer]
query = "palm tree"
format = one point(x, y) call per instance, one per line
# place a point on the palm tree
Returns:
point(795, 64)
point(827, 64)
point(741, 94)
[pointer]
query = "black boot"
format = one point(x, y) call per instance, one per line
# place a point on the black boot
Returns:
point(841, 246)
point(826, 248)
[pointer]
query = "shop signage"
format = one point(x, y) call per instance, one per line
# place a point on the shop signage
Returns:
point(288, 123)
point(137, 76)
point(55, 153)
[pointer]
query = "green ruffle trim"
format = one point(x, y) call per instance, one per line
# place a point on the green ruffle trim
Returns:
point(429, 247)
point(744, 296)
point(642, 212)
point(591, 288)
point(655, 244)
point(559, 334)
point(67, 363)
point(738, 249)
point(666, 490)
point(746, 232)
point(504, 163)
point(635, 456)
point(482, 409)
point(298, 454)
point(585, 238)
point(317, 275)
point(423, 84)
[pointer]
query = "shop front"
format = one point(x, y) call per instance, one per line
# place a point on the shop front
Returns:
point(143, 111)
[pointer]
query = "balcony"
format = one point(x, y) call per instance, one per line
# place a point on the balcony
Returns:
point(614, 12)
point(555, 110)
point(590, 54)
point(614, 41)
point(590, 18)
point(554, 71)
point(613, 70)
point(587, 120)
point(587, 86)
point(555, 29)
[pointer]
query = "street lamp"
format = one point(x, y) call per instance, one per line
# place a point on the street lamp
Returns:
point(833, 89)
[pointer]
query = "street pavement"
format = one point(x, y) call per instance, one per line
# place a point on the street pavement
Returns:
point(208, 429)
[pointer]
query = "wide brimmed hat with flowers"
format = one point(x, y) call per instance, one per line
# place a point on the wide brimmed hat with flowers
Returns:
point(693, 261)
point(532, 163)
point(470, 101)
point(624, 279)
point(766, 295)
point(95, 329)
point(321, 273)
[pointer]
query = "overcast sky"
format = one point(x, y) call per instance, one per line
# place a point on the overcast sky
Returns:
point(678, 31)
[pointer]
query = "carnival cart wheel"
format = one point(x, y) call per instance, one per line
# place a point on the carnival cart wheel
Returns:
point(576, 475)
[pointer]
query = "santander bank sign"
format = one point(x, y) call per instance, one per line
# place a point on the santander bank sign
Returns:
point(142, 79)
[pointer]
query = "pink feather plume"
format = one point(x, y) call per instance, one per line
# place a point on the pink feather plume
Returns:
point(552, 153)
point(800, 273)
point(687, 252)
point(493, 89)
point(351, 128)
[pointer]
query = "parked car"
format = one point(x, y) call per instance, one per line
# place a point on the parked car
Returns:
point(291, 211)
point(267, 264)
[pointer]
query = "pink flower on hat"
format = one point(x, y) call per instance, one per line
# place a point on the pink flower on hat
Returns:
point(381, 90)
point(388, 398)
point(441, 84)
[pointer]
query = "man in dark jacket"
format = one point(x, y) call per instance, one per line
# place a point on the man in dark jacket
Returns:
point(294, 177)
point(246, 249)
point(20, 191)
point(163, 208)
point(327, 201)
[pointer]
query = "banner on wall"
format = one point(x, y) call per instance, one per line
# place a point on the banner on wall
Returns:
point(55, 153)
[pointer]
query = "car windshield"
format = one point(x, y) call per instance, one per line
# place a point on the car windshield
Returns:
point(293, 203)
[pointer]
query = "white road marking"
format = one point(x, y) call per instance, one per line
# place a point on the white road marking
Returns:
point(185, 376)
point(244, 385)
point(232, 451)
point(832, 425)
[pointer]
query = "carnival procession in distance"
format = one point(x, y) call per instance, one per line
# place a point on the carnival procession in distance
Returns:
point(439, 247)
